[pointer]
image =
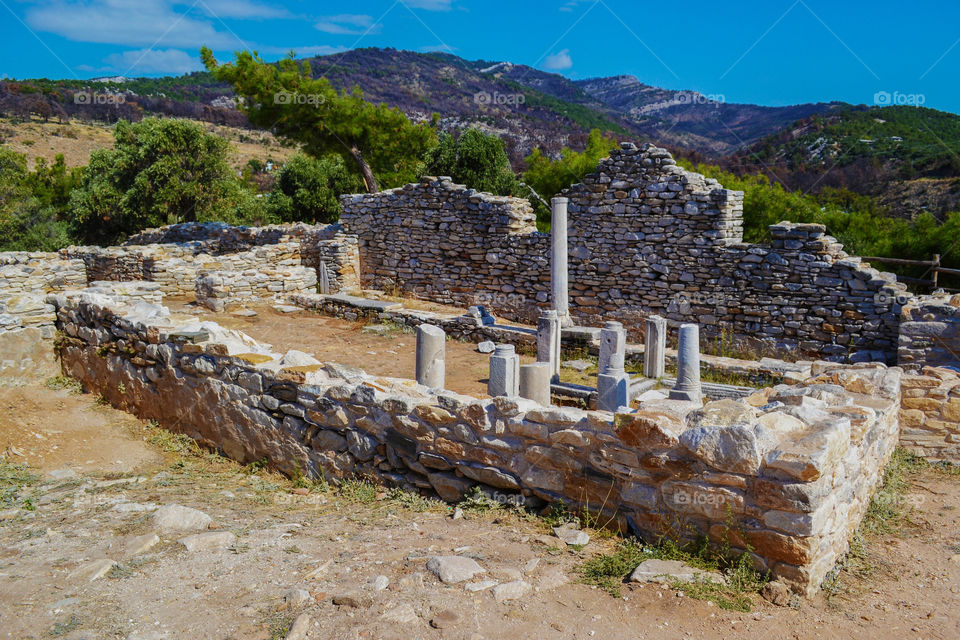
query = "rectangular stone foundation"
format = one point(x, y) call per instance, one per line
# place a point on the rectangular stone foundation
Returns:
point(788, 483)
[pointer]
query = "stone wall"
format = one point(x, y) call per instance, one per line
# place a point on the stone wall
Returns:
point(440, 241)
point(26, 339)
point(176, 267)
point(787, 474)
point(645, 237)
point(930, 414)
point(38, 272)
point(227, 290)
point(930, 333)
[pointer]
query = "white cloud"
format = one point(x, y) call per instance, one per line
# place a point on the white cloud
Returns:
point(429, 5)
point(570, 5)
point(143, 61)
point(558, 61)
point(143, 23)
point(348, 24)
point(241, 9)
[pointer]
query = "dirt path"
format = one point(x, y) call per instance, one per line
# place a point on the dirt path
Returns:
point(49, 429)
point(334, 546)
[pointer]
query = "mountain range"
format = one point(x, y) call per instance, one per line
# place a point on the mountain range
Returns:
point(879, 151)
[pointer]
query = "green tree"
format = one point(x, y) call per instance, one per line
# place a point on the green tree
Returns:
point(160, 171)
point(307, 189)
point(548, 177)
point(380, 142)
point(31, 204)
point(475, 159)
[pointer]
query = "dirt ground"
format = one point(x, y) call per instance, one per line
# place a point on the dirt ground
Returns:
point(333, 545)
point(335, 340)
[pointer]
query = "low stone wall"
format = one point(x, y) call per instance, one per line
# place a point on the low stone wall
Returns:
point(786, 476)
point(218, 237)
point(38, 272)
point(930, 414)
point(176, 267)
point(26, 340)
point(930, 332)
point(226, 290)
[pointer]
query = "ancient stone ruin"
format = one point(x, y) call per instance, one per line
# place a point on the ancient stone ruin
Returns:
point(785, 472)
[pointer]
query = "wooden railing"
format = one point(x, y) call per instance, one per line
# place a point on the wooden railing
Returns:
point(933, 268)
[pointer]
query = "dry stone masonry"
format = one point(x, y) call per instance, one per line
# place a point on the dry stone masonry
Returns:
point(930, 414)
point(787, 474)
point(645, 237)
point(440, 241)
point(930, 333)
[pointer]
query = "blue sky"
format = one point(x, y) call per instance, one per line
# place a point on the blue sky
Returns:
point(773, 52)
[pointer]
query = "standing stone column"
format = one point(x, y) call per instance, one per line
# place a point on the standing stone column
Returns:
point(324, 279)
point(535, 382)
point(504, 372)
point(431, 356)
point(688, 365)
point(655, 347)
point(613, 382)
point(548, 342)
point(559, 274)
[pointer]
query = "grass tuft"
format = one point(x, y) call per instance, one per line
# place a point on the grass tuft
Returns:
point(13, 479)
point(609, 570)
point(58, 383)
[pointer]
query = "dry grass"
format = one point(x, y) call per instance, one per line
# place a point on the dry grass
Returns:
point(76, 139)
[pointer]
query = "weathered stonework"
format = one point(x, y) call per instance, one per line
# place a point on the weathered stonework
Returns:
point(646, 237)
point(930, 414)
point(930, 332)
point(227, 290)
point(788, 473)
point(440, 241)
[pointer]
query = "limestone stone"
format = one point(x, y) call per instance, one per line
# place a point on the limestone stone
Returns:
point(210, 541)
point(175, 517)
point(667, 570)
point(454, 569)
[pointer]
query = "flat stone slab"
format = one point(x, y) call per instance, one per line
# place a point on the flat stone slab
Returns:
point(666, 570)
point(285, 308)
point(376, 329)
point(211, 541)
point(363, 303)
point(175, 517)
point(453, 569)
point(93, 570)
point(571, 536)
point(577, 365)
